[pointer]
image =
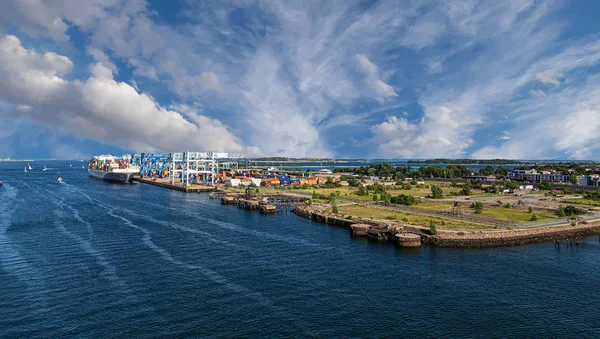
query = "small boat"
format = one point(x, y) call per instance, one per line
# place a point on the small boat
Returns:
point(82, 167)
point(70, 165)
point(28, 165)
point(60, 181)
point(0, 183)
point(45, 169)
point(25, 169)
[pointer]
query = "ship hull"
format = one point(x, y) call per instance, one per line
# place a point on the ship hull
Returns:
point(113, 177)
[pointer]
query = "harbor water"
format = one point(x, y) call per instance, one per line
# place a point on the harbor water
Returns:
point(87, 258)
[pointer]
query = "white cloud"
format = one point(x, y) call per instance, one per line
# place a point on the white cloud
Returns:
point(366, 64)
point(565, 122)
point(101, 57)
point(295, 70)
point(549, 78)
point(380, 89)
point(100, 107)
point(505, 135)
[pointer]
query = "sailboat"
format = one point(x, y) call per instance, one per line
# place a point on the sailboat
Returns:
point(45, 169)
point(28, 165)
point(25, 169)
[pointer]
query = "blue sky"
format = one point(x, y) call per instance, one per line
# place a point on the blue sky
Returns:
point(371, 79)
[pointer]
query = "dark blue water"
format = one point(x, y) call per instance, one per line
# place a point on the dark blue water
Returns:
point(91, 259)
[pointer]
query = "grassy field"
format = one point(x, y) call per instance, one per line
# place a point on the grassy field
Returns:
point(413, 219)
point(586, 202)
point(433, 205)
point(510, 214)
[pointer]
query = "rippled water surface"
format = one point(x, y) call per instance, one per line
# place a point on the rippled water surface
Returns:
point(92, 259)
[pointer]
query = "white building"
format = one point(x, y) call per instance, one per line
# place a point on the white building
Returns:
point(233, 182)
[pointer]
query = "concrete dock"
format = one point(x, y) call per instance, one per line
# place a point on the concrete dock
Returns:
point(164, 182)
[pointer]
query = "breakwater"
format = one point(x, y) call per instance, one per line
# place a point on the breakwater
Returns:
point(403, 236)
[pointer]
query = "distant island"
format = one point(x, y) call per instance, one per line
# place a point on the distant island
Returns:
point(497, 161)
point(14, 160)
point(286, 159)
point(469, 161)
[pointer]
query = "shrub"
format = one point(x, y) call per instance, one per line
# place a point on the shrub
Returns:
point(405, 219)
point(507, 205)
point(478, 206)
point(584, 222)
point(436, 192)
point(545, 186)
point(386, 199)
point(432, 227)
point(466, 190)
point(530, 210)
point(334, 208)
point(349, 217)
point(533, 217)
point(375, 197)
point(573, 223)
point(570, 211)
point(461, 233)
point(391, 217)
point(404, 199)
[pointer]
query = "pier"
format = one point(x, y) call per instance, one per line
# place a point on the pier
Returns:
point(164, 182)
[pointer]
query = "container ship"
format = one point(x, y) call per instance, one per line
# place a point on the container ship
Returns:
point(109, 168)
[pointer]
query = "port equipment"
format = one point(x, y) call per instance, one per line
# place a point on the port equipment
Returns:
point(151, 163)
point(199, 166)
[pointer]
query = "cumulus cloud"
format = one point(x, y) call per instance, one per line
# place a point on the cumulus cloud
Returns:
point(101, 108)
point(101, 57)
point(398, 137)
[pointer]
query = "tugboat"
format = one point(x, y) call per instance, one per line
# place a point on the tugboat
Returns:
point(109, 168)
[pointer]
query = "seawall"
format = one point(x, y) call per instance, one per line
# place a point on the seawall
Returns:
point(513, 238)
point(453, 239)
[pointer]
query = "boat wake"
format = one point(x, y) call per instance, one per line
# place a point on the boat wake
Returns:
point(164, 254)
point(109, 272)
point(11, 259)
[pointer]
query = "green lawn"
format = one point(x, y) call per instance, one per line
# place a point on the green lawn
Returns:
point(586, 202)
point(510, 214)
